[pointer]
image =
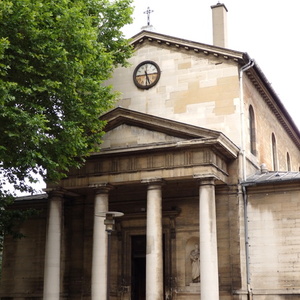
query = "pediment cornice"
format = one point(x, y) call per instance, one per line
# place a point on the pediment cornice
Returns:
point(119, 116)
point(187, 45)
point(193, 136)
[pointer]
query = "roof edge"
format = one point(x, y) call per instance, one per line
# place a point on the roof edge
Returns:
point(197, 47)
point(271, 177)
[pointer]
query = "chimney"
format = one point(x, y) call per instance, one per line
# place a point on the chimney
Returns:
point(219, 18)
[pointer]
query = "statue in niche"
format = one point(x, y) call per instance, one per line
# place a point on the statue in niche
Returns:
point(195, 261)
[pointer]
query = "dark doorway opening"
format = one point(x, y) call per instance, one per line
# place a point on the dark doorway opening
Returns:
point(138, 267)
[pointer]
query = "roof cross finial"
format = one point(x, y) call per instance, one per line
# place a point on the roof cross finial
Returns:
point(148, 12)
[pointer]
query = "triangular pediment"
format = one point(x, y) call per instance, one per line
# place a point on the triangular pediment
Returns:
point(145, 37)
point(129, 136)
point(120, 116)
point(128, 130)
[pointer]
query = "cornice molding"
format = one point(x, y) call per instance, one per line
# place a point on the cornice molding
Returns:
point(161, 39)
point(119, 116)
point(194, 136)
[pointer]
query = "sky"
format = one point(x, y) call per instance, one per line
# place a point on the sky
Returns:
point(269, 31)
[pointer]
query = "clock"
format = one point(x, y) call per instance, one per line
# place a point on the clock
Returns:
point(146, 75)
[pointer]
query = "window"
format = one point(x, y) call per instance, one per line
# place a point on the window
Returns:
point(288, 161)
point(252, 130)
point(274, 153)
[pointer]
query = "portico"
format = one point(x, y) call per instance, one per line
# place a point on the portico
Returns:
point(154, 221)
point(154, 233)
point(149, 180)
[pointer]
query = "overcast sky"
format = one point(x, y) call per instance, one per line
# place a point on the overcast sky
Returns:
point(269, 31)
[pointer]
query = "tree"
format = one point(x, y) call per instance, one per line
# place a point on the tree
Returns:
point(55, 56)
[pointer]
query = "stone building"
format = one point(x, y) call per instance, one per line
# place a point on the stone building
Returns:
point(202, 159)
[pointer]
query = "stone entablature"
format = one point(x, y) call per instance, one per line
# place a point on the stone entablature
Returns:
point(172, 165)
point(148, 162)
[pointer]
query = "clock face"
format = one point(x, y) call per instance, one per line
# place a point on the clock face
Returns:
point(146, 75)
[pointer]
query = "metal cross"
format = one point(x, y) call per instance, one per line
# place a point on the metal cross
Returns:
point(148, 12)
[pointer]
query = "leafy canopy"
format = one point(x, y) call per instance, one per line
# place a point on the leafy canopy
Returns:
point(54, 58)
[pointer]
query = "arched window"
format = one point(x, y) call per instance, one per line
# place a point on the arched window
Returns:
point(274, 153)
point(288, 161)
point(252, 130)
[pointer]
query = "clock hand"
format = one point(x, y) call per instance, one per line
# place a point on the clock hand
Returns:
point(147, 78)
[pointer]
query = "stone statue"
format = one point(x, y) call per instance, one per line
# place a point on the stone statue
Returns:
point(195, 261)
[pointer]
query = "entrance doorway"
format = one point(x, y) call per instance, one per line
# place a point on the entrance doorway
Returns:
point(138, 267)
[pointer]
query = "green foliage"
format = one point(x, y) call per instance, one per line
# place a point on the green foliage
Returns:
point(54, 58)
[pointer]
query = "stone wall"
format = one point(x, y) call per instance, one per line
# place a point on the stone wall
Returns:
point(267, 123)
point(196, 89)
point(274, 240)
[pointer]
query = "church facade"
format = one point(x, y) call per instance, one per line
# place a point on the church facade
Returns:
point(198, 171)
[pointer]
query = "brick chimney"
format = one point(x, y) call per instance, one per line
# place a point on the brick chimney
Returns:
point(219, 19)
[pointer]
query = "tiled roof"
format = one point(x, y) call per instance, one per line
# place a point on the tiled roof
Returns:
point(272, 177)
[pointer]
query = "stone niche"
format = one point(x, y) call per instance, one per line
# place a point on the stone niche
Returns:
point(192, 265)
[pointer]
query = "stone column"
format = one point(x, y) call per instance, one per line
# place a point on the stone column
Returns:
point(53, 247)
point(208, 241)
point(99, 258)
point(154, 249)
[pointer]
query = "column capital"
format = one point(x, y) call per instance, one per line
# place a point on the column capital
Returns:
point(206, 179)
point(55, 193)
point(101, 187)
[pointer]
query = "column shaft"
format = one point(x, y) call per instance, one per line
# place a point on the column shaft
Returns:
point(99, 258)
point(208, 242)
point(154, 253)
point(53, 248)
